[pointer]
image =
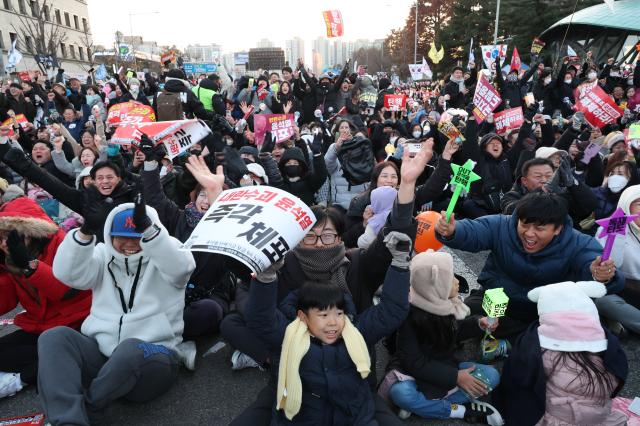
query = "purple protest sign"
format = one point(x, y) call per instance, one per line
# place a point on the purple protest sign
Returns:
point(590, 151)
point(612, 227)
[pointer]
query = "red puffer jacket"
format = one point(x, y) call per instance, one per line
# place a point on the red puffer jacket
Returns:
point(47, 302)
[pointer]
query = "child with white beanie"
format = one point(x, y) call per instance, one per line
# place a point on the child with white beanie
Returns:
point(566, 369)
point(425, 378)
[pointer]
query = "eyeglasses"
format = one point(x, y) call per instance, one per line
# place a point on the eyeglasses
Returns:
point(311, 239)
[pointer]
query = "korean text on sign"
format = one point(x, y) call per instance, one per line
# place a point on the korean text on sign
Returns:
point(256, 226)
point(486, 99)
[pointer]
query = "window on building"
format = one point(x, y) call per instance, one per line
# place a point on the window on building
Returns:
point(63, 50)
point(47, 13)
point(85, 25)
point(76, 22)
point(28, 41)
point(23, 9)
point(6, 4)
point(67, 19)
point(81, 53)
point(58, 19)
point(12, 37)
point(34, 8)
point(72, 49)
point(1, 40)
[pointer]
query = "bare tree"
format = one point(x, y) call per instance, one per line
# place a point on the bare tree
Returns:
point(39, 33)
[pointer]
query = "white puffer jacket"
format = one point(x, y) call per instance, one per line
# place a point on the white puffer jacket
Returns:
point(156, 313)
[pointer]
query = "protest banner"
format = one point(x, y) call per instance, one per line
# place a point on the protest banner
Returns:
point(597, 106)
point(634, 131)
point(486, 98)
point(30, 420)
point(515, 60)
point(416, 71)
point(613, 226)
point(168, 57)
point(508, 119)
point(536, 46)
point(281, 127)
point(20, 119)
point(130, 113)
point(491, 53)
point(463, 177)
point(333, 22)
point(177, 136)
point(395, 102)
point(369, 96)
point(256, 226)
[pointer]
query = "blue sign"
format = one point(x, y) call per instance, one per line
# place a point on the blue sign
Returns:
point(205, 68)
point(240, 58)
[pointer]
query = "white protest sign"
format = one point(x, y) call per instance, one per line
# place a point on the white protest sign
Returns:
point(256, 226)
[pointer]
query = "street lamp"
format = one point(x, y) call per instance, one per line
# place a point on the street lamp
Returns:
point(133, 44)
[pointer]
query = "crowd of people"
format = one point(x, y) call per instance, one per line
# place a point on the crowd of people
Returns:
point(91, 231)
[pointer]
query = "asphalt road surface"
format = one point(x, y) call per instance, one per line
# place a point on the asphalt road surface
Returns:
point(214, 394)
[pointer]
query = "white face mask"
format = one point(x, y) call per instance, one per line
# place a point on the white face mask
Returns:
point(416, 134)
point(616, 183)
point(229, 141)
point(163, 171)
point(547, 80)
point(592, 76)
point(568, 81)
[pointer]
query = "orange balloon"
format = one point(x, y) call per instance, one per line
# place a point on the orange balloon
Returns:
point(426, 232)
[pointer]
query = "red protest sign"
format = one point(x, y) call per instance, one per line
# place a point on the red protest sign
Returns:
point(130, 113)
point(30, 420)
point(597, 106)
point(395, 102)
point(280, 125)
point(515, 60)
point(168, 57)
point(508, 119)
point(485, 99)
point(333, 22)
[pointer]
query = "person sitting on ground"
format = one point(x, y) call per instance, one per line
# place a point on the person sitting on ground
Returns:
point(131, 343)
point(566, 369)
point(324, 356)
point(29, 240)
point(535, 246)
point(425, 378)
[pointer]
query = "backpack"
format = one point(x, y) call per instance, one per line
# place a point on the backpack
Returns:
point(169, 106)
point(357, 161)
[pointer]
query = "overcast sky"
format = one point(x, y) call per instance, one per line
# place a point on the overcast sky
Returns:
point(239, 24)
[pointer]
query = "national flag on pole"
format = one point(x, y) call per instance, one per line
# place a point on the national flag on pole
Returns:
point(515, 60)
point(610, 4)
point(14, 56)
point(472, 57)
point(426, 70)
point(333, 22)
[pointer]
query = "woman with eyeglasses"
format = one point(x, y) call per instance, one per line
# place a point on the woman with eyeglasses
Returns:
point(321, 257)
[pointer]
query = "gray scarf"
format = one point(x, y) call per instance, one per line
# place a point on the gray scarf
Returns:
point(460, 83)
point(324, 264)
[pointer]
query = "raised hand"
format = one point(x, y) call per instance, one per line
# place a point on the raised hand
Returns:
point(140, 218)
point(212, 183)
point(412, 168)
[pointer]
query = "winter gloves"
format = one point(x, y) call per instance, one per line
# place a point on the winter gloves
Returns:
point(18, 251)
point(316, 145)
point(93, 212)
point(151, 151)
point(531, 111)
point(140, 218)
point(399, 246)
point(269, 274)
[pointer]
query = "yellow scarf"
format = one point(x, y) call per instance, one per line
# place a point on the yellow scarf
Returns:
point(295, 346)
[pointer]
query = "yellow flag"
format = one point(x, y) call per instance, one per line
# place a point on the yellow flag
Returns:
point(436, 55)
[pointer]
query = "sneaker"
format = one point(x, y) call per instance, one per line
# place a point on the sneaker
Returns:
point(240, 361)
point(187, 353)
point(493, 349)
point(10, 383)
point(482, 412)
point(404, 414)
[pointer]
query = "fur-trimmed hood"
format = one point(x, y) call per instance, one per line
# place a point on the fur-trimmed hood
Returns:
point(27, 217)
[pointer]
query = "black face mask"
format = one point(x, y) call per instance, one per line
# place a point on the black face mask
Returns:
point(195, 152)
point(292, 171)
point(248, 161)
